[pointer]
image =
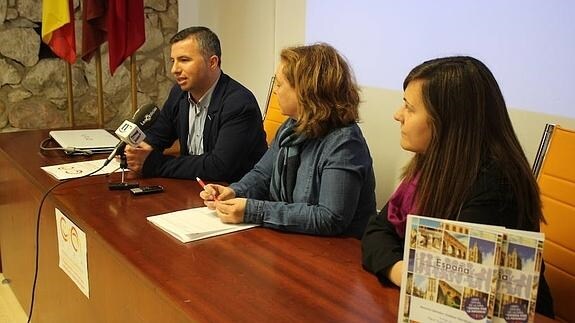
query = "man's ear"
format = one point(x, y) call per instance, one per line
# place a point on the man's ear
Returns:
point(214, 61)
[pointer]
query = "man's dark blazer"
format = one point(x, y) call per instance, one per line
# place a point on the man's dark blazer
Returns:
point(234, 139)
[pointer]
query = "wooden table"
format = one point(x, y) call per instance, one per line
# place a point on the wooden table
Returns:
point(138, 273)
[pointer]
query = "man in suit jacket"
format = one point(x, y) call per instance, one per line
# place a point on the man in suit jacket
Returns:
point(216, 119)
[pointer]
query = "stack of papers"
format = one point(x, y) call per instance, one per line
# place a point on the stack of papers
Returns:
point(194, 224)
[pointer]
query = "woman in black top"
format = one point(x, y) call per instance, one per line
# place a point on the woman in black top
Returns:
point(468, 164)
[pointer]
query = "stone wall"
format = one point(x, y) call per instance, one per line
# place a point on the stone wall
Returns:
point(33, 91)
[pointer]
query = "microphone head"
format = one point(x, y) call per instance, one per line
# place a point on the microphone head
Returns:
point(131, 131)
point(146, 115)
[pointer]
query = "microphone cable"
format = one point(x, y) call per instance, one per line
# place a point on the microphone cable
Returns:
point(37, 242)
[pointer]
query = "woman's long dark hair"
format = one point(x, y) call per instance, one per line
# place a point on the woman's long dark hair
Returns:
point(470, 126)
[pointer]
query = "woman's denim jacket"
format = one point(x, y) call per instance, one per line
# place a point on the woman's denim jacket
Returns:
point(334, 192)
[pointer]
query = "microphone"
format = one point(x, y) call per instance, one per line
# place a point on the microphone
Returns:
point(131, 131)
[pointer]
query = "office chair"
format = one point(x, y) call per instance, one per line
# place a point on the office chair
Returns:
point(554, 168)
point(273, 118)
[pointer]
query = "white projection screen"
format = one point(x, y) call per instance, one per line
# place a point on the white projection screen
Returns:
point(529, 45)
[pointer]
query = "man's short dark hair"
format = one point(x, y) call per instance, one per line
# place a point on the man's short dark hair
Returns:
point(208, 41)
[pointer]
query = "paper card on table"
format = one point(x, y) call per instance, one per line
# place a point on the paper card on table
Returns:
point(78, 169)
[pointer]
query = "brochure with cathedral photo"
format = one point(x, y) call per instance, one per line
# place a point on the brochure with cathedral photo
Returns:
point(451, 273)
point(467, 272)
point(521, 260)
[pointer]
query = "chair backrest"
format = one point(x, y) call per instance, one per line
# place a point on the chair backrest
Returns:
point(273, 118)
point(554, 168)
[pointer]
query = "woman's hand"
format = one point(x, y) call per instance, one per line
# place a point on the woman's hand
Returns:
point(222, 199)
point(214, 192)
point(231, 210)
point(395, 273)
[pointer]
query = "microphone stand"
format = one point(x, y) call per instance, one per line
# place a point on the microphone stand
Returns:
point(123, 185)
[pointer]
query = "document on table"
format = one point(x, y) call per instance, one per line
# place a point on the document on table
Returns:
point(79, 169)
point(194, 224)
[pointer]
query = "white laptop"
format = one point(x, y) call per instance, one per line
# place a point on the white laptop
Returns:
point(96, 140)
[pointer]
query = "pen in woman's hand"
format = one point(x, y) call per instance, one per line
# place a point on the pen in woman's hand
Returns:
point(203, 185)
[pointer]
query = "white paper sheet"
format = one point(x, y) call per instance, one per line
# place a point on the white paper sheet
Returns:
point(78, 169)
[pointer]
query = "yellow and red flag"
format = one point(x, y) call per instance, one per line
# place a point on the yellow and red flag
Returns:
point(58, 28)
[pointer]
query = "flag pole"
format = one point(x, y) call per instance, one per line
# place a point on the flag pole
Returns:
point(99, 88)
point(133, 83)
point(70, 94)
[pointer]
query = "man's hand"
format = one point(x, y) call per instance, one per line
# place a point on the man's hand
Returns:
point(136, 156)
